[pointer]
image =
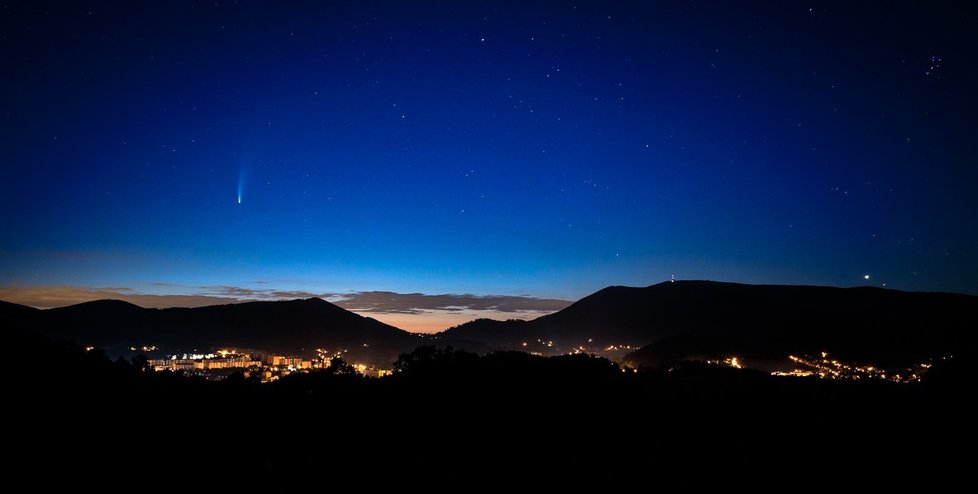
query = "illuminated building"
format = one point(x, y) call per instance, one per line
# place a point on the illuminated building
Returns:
point(291, 362)
point(372, 372)
point(172, 364)
point(227, 363)
point(202, 362)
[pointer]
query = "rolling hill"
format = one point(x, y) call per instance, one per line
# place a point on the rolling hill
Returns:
point(703, 318)
point(281, 326)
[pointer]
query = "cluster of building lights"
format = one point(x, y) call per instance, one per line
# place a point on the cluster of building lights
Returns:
point(735, 362)
point(268, 367)
point(272, 367)
point(200, 362)
point(551, 347)
point(830, 368)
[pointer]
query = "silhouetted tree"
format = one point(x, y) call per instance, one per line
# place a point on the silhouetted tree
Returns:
point(140, 363)
point(339, 366)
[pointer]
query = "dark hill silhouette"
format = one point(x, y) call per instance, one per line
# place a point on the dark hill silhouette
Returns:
point(284, 326)
point(13, 312)
point(703, 318)
point(483, 335)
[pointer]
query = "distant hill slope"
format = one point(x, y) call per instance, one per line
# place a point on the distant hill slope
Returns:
point(701, 316)
point(13, 312)
point(286, 326)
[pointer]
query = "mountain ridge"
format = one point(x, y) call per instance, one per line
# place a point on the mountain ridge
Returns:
point(708, 317)
point(294, 326)
point(671, 319)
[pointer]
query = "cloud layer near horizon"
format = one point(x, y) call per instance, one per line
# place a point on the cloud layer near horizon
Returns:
point(411, 311)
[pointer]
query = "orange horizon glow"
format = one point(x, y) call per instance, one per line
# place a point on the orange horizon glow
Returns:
point(435, 321)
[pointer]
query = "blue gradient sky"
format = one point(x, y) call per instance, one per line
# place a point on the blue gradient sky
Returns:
point(539, 149)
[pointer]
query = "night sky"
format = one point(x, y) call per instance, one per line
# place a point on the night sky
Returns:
point(182, 153)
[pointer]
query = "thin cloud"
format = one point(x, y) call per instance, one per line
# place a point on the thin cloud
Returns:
point(416, 303)
point(59, 296)
point(242, 293)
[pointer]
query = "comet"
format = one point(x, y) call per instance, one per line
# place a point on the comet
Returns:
point(241, 179)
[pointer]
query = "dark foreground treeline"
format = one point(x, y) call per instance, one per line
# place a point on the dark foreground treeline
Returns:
point(453, 413)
